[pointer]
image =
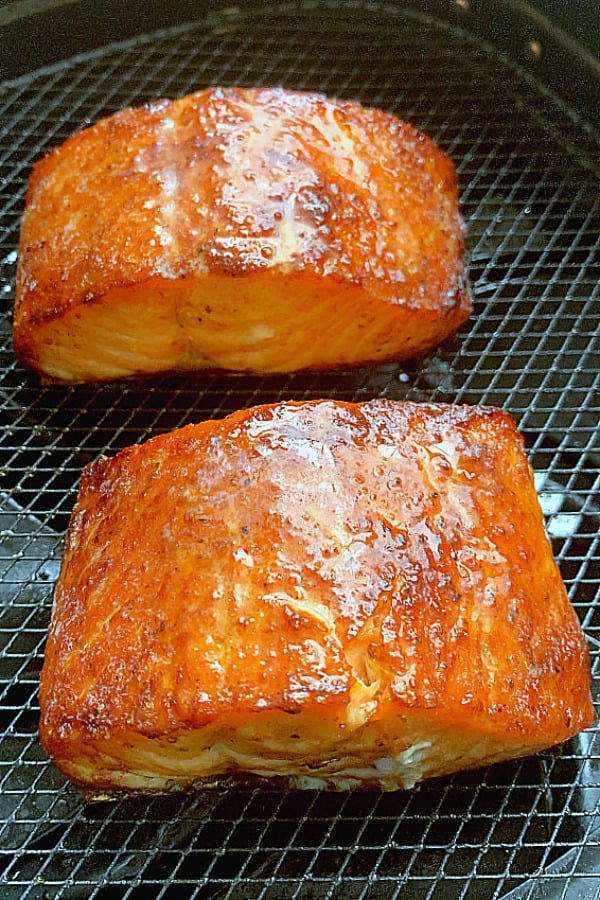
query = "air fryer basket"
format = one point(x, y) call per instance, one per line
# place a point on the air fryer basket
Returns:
point(528, 169)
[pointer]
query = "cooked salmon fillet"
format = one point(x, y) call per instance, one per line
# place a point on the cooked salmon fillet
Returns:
point(248, 229)
point(336, 594)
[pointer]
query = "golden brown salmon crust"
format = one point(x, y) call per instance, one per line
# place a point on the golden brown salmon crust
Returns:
point(249, 229)
point(338, 594)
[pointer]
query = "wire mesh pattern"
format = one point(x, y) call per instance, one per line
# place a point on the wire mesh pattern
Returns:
point(528, 171)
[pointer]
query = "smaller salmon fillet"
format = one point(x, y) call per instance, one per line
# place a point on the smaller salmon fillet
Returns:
point(337, 595)
point(259, 230)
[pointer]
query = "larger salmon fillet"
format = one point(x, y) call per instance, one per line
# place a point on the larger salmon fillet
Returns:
point(249, 229)
point(340, 595)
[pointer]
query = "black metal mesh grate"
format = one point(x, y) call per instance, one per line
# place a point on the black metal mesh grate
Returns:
point(529, 179)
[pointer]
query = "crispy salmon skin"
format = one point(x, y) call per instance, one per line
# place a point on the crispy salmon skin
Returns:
point(339, 595)
point(260, 229)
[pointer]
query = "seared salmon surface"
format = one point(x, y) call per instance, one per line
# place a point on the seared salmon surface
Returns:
point(254, 229)
point(338, 595)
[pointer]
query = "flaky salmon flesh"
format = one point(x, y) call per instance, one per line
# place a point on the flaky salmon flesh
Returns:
point(261, 230)
point(336, 595)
